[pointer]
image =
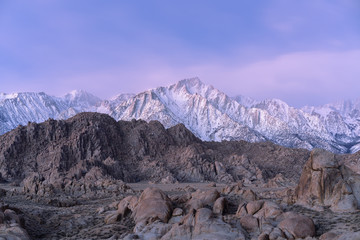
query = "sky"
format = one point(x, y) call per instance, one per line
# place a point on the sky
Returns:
point(303, 52)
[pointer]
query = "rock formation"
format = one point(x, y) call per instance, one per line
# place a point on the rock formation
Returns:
point(326, 181)
point(203, 217)
point(93, 146)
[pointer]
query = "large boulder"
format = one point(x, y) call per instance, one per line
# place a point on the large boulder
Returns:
point(297, 225)
point(324, 182)
point(154, 230)
point(259, 209)
point(220, 205)
point(127, 205)
point(200, 199)
point(249, 223)
point(153, 205)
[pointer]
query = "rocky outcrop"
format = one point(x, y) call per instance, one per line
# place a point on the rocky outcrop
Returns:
point(153, 211)
point(209, 113)
point(297, 226)
point(92, 146)
point(258, 219)
point(36, 185)
point(268, 220)
point(202, 224)
point(153, 205)
point(326, 181)
point(200, 199)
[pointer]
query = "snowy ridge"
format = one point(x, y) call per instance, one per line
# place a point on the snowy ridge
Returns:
point(207, 112)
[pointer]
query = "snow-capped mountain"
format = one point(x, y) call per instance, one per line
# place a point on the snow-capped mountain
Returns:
point(21, 108)
point(201, 108)
point(207, 112)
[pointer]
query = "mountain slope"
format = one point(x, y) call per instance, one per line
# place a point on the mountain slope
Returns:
point(212, 115)
point(209, 113)
point(201, 108)
point(21, 108)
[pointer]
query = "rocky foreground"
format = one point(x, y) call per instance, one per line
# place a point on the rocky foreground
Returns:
point(91, 177)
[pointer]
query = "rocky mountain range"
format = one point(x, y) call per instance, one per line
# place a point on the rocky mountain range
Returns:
point(209, 113)
point(94, 145)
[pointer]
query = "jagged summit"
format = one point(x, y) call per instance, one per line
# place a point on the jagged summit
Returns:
point(207, 112)
point(195, 81)
point(81, 98)
point(8, 96)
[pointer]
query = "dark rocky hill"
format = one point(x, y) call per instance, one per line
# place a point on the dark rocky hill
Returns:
point(95, 144)
point(71, 177)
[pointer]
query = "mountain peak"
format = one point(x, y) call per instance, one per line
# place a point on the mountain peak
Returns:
point(8, 96)
point(76, 97)
point(76, 93)
point(191, 81)
point(194, 86)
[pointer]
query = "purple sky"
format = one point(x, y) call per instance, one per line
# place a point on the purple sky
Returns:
point(303, 52)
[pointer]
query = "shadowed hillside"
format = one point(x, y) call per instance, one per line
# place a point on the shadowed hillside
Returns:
point(136, 151)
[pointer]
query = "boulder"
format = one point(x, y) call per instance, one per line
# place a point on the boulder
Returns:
point(153, 205)
point(249, 223)
point(241, 211)
point(323, 183)
point(298, 226)
point(200, 199)
point(276, 233)
point(219, 206)
point(331, 235)
point(177, 212)
point(232, 189)
point(176, 216)
point(203, 215)
point(254, 206)
point(249, 195)
point(260, 209)
point(127, 205)
point(202, 224)
point(271, 209)
point(154, 230)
